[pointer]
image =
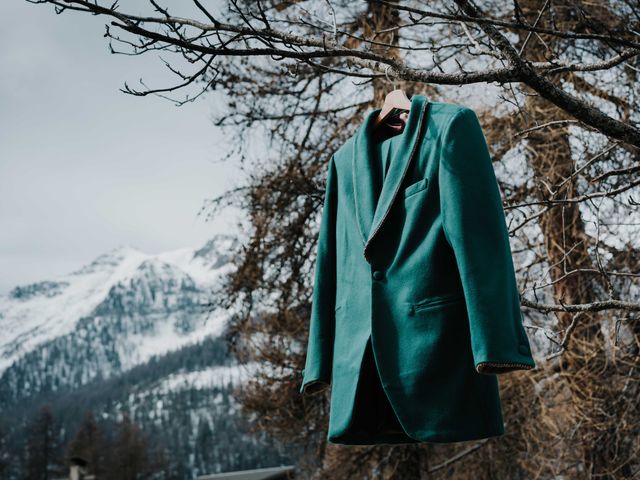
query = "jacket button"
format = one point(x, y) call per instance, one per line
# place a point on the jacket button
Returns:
point(377, 275)
point(523, 349)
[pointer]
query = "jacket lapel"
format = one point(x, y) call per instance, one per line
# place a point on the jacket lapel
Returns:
point(371, 216)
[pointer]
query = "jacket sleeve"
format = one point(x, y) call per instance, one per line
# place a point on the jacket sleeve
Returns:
point(319, 359)
point(474, 224)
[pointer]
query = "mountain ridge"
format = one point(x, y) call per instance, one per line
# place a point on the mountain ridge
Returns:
point(131, 333)
point(33, 314)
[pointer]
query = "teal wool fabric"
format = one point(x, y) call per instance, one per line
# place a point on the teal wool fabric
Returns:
point(415, 307)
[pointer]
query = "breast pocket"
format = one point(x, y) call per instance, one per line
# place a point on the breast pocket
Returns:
point(416, 187)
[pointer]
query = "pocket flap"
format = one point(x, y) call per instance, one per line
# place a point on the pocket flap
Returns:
point(416, 187)
point(437, 301)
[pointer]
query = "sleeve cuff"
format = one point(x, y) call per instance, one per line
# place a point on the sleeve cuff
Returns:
point(497, 368)
point(313, 386)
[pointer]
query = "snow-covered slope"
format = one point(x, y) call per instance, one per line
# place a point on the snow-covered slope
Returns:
point(157, 301)
point(132, 333)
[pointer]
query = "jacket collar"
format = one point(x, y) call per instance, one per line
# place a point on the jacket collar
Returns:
point(370, 216)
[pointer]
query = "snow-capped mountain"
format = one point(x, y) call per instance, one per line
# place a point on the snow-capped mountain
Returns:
point(133, 333)
point(154, 299)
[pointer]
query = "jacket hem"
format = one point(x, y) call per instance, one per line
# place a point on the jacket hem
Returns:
point(426, 436)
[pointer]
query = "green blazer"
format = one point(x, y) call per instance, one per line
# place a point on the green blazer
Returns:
point(422, 269)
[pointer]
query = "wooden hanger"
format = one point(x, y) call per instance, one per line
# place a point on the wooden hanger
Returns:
point(395, 99)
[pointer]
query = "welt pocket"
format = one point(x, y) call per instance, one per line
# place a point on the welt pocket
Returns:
point(436, 301)
point(416, 187)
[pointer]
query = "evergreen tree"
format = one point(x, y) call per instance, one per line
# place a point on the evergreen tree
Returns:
point(4, 455)
point(205, 446)
point(88, 443)
point(130, 453)
point(40, 445)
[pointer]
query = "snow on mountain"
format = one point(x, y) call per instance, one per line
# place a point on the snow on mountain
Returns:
point(154, 298)
point(132, 333)
point(216, 376)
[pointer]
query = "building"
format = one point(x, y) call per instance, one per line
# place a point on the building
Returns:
point(77, 470)
point(272, 473)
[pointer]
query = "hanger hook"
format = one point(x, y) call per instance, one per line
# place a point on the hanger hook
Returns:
point(386, 74)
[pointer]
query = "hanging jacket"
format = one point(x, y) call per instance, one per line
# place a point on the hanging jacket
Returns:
point(417, 269)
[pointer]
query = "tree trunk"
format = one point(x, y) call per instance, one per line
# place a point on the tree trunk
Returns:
point(584, 365)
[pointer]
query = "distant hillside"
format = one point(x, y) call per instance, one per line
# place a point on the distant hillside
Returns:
point(130, 333)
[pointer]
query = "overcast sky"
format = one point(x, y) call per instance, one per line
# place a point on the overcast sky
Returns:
point(84, 167)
